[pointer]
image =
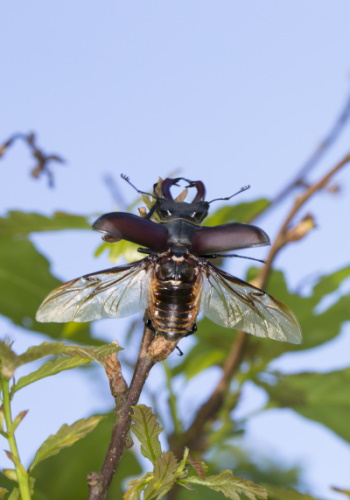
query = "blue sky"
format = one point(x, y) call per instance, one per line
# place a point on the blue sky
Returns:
point(231, 92)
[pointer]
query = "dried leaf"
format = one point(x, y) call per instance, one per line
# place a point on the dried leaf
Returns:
point(199, 466)
point(8, 360)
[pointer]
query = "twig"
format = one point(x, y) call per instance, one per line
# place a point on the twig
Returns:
point(281, 238)
point(41, 158)
point(151, 350)
point(316, 156)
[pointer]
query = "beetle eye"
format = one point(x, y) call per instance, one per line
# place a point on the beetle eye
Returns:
point(164, 213)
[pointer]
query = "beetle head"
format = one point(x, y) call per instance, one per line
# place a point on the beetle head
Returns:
point(169, 209)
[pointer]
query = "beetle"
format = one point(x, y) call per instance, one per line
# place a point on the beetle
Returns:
point(176, 280)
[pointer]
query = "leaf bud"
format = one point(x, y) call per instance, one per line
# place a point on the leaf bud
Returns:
point(10, 474)
point(299, 231)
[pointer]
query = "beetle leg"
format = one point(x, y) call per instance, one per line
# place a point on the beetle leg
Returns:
point(193, 330)
point(180, 353)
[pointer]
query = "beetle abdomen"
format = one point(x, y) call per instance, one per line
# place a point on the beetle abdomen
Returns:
point(174, 297)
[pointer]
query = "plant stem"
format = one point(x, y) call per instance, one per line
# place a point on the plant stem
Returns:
point(22, 474)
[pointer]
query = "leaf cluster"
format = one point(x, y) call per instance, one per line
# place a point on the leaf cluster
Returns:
point(168, 471)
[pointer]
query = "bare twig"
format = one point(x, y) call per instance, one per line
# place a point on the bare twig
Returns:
point(281, 238)
point(316, 156)
point(42, 159)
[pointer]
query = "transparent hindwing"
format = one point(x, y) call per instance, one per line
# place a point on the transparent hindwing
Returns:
point(233, 303)
point(112, 293)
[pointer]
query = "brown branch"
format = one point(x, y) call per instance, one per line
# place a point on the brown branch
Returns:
point(151, 350)
point(42, 159)
point(282, 236)
point(316, 156)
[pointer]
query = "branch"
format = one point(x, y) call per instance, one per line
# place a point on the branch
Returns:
point(320, 151)
point(42, 159)
point(282, 237)
point(151, 350)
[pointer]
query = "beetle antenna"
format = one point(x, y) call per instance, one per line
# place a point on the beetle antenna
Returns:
point(216, 255)
point(244, 188)
point(126, 178)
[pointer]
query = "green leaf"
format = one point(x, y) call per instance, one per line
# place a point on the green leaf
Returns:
point(25, 275)
point(278, 493)
point(73, 356)
point(10, 474)
point(66, 436)
point(122, 249)
point(3, 492)
point(323, 397)
point(15, 494)
point(231, 486)
point(40, 351)
point(49, 368)
point(19, 224)
point(164, 476)
point(146, 429)
point(74, 463)
point(92, 353)
point(136, 486)
point(243, 212)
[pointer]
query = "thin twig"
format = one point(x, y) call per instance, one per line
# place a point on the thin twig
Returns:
point(316, 156)
point(42, 160)
point(281, 238)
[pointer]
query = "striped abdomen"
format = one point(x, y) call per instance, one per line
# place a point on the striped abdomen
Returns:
point(174, 296)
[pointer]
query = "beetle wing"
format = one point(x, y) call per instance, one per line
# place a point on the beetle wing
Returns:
point(233, 303)
point(112, 293)
point(227, 237)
